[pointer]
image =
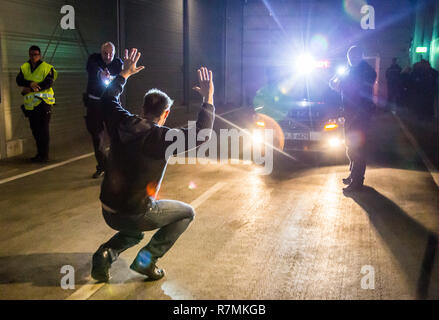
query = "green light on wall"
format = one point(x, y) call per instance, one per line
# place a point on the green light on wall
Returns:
point(421, 49)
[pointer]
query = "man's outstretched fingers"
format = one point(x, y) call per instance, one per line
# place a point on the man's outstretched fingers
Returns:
point(205, 75)
point(137, 57)
point(133, 54)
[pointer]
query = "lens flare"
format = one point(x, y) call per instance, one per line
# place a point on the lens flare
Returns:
point(353, 8)
point(192, 185)
point(319, 43)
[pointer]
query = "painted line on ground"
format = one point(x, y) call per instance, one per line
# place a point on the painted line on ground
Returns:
point(89, 289)
point(430, 166)
point(22, 175)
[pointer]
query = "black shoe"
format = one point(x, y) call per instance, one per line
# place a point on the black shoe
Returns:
point(98, 174)
point(39, 159)
point(353, 187)
point(347, 181)
point(101, 265)
point(150, 270)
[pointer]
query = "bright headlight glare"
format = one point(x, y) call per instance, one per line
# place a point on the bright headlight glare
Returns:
point(305, 64)
point(335, 142)
point(257, 136)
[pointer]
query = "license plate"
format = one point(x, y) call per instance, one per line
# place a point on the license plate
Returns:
point(297, 136)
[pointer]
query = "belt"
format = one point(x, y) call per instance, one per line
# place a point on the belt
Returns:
point(93, 97)
point(148, 204)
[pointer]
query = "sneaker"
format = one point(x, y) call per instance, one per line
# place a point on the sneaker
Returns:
point(101, 265)
point(98, 174)
point(144, 265)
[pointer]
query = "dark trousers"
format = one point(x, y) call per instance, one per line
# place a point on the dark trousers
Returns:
point(39, 119)
point(94, 120)
point(356, 131)
point(171, 217)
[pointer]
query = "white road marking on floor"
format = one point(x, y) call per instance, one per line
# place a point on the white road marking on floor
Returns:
point(87, 290)
point(22, 175)
point(430, 166)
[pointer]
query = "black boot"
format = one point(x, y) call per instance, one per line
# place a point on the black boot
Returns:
point(99, 173)
point(143, 264)
point(101, 264)
point(354, 186)
point(347, 180)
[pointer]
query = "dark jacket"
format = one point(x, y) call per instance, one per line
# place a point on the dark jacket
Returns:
point(136, 163)
point(95, 64)
point(357, 89)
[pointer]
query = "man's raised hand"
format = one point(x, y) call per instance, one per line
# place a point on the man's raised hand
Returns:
point(205, 87)
point(130, 63)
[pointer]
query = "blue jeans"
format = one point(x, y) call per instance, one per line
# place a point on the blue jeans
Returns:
point(171, 217)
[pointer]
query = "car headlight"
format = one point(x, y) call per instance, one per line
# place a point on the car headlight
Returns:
point(258, 136)
point(305, 64)
point(335, 142)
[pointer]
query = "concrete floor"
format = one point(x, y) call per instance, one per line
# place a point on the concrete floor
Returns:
point(290, 235)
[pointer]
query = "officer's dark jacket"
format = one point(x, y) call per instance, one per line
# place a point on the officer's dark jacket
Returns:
point(136, 162)
point(357, 89)
point(95, 64)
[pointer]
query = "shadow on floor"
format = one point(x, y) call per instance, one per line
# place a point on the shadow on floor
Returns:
point(44, 269)
point(411, 243)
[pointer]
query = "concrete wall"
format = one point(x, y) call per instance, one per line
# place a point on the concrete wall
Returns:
point(156, 29)
point(206, 43)
point(24, 23)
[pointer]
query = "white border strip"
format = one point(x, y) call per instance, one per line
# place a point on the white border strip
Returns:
point(45, 168)
point(90, 288)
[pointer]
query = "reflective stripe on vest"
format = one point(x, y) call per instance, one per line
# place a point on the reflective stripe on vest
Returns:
point(33, 99)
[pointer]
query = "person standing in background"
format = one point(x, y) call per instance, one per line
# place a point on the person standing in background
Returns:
point(101, 68)
point(36, 78)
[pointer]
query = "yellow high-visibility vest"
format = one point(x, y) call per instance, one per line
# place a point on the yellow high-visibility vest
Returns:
point(33, 99)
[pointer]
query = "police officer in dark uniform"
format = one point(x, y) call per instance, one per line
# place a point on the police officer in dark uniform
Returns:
point(356, 88)
point(135, 168)
point(102, 68)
